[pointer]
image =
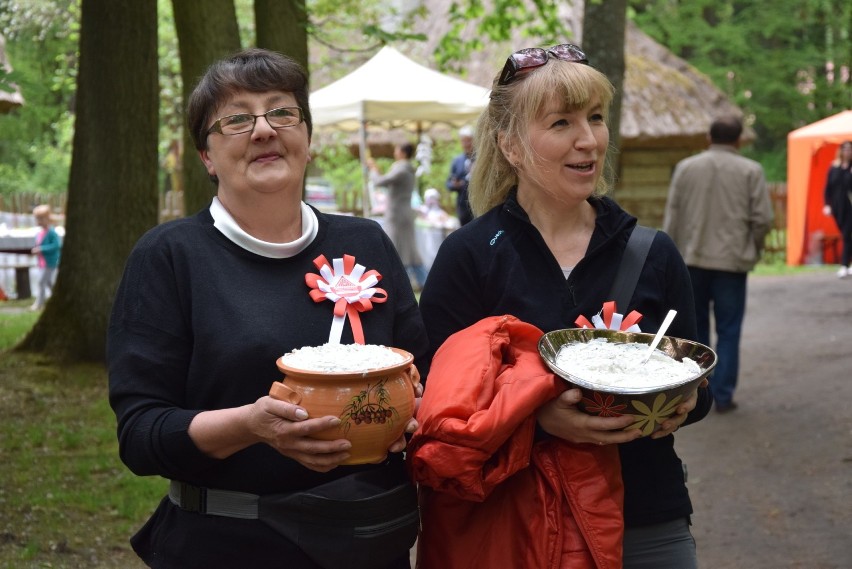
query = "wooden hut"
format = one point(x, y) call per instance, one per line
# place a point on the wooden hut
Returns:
point(666, 111)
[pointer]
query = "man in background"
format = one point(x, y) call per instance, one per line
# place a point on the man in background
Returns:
point(460, 175)
point(718, 213)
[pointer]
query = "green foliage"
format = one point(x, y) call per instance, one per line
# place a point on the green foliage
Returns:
point(35, 140)
point(496, 23)
point(781, 61)
point(339, 166)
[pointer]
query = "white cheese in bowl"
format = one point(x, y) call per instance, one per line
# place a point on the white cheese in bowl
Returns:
point(620, 364)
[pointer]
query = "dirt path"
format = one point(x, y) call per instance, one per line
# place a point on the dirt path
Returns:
point(772, 481)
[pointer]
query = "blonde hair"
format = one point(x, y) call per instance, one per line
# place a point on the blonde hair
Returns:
point(41, 210)
point(510, 111)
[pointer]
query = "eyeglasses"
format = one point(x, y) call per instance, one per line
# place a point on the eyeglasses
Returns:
point(282, 117)
point(532, 57)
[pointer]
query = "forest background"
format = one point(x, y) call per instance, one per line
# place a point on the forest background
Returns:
point(104, 83)
point(786, 63)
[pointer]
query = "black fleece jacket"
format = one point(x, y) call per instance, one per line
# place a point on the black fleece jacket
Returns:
point(499, 264)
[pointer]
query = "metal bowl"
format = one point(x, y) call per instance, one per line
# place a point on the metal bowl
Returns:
point(650, 406)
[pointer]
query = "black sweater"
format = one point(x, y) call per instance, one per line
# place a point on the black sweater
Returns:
point(197, 324)
point(499, 264)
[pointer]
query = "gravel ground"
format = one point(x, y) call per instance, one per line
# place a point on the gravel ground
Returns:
point(771, 482)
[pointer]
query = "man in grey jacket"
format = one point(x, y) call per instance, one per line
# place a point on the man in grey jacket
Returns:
point(718, 213)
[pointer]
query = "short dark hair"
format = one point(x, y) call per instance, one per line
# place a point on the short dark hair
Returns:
point(407, 149)
point(255, 70)
point(726, 130)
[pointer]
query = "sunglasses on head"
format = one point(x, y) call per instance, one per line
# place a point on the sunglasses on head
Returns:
point(526, 59)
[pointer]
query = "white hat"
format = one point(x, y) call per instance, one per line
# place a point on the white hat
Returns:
point(466, 131)
point(432, 193)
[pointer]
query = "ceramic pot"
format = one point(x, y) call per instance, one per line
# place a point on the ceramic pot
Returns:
point(374, 406)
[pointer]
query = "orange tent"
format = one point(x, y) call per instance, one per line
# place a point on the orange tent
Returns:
point(810, 151)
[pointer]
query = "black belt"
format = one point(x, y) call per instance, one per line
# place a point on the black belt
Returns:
point(214, 502)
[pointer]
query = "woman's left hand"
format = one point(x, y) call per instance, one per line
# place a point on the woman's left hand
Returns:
point(399, 444)
point(674, 422)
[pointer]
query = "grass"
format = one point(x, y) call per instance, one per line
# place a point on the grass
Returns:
point(66, 500)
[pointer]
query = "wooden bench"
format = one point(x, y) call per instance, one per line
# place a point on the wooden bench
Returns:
point(22, 280)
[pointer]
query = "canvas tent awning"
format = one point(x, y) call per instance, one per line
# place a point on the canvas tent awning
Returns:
point(392, 89)
point(810, 151)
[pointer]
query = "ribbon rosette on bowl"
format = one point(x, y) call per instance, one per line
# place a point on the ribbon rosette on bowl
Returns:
point(351, 287)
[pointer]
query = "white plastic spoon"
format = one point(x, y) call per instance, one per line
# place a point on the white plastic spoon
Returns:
point(660, 333)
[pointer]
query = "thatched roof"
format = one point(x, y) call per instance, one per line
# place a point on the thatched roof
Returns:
point(8, 101)
point(666, 101)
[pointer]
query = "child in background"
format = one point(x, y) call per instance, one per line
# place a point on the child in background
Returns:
point(48, 247)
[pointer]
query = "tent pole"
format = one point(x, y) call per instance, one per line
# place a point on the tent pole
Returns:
point(362, 153)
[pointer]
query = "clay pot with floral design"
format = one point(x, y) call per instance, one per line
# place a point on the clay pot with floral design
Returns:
point(373, 405)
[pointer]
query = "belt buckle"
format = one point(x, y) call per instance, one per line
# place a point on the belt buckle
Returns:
point(193, 498)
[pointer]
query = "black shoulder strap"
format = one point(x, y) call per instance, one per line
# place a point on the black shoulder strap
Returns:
point(634, 257)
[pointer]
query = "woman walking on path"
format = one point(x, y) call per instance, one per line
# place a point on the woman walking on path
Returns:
point(838, 202)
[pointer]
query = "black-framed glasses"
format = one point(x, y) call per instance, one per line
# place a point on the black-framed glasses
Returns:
point(532, 57)
point(281, 117)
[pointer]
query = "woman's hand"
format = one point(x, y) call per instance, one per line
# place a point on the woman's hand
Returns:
point(286, 428)
point(673, 422)
point(399, 444)
point(283, 426)
point(562, 418)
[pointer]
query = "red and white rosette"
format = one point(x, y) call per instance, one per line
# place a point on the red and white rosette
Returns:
point(609, 319)
point(351, 287)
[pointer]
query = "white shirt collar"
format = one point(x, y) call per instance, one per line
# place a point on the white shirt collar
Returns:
point(226, 224)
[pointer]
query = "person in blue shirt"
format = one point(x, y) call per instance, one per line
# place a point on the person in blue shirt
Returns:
point(460, 175)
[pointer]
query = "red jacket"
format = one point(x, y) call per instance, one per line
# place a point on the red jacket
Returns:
point(490, 495)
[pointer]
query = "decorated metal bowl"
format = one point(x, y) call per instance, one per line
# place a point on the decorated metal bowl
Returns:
point(649, 404)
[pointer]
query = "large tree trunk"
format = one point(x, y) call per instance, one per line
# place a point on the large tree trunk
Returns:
point(112, 188)
point(604, 23)
point(205, 33)
point(282, 25)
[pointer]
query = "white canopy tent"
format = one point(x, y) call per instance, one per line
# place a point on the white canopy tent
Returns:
point(393, 90)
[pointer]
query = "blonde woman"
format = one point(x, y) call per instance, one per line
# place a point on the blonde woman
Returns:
point(545, 247)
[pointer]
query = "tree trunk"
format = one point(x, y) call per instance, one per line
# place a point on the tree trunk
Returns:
point(112, 187)
point(604, 23)
point(205, 33)
point(282, 26)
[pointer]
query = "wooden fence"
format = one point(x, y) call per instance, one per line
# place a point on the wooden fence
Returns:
point(24, 202)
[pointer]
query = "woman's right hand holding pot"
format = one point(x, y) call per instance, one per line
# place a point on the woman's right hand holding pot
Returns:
point(282, 425)
point(562, 418)
point(287, 428)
